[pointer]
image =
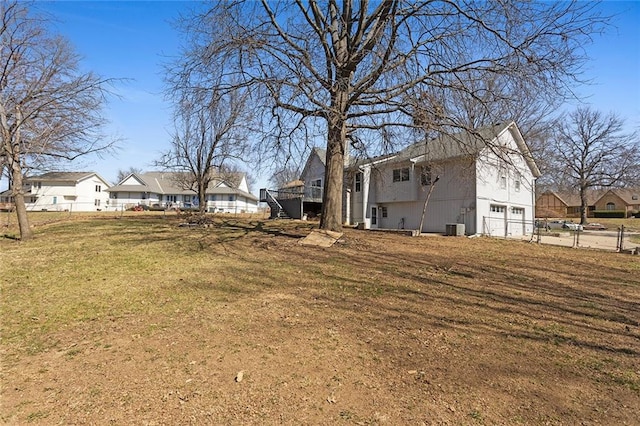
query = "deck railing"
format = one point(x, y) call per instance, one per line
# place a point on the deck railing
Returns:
point(307, 193)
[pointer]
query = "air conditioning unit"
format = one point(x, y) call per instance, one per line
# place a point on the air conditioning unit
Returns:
point(455, 229)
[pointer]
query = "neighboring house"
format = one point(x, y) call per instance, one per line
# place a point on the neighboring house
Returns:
point(567, 203)
point(163, 190)
point(620, 199)
point(486, 185)
point(564, 203)
point(64, 191)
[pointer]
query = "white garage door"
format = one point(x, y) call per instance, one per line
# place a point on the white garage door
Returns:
point(496, 223)
point(516, 222)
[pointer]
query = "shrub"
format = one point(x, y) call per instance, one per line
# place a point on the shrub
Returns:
point(610, 214)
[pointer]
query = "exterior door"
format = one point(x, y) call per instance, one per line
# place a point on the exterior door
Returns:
point(374, 216)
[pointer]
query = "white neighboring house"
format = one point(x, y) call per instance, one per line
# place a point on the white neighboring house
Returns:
point(67, 191)
point(486, 185)
point(162, 190)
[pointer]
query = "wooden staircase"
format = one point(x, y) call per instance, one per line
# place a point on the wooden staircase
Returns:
point(277, 211)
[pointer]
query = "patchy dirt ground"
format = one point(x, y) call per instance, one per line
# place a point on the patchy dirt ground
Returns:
point(379, 329)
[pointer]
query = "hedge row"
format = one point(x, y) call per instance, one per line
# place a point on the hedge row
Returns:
point(610, 214)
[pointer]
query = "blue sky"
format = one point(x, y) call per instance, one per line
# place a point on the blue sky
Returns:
point(131, 39)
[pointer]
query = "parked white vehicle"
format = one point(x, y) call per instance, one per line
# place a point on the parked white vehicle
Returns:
point(572, 226)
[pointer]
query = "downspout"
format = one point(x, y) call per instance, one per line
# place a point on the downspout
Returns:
point(366, 179)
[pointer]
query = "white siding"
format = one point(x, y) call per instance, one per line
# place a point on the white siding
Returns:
point(220, 204)
point(496, 185)
point(389, 191)
point(71, 196)
point(452, 200)
point(131, 180)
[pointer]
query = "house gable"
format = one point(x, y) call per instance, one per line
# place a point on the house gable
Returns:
point(314, 168)
point(627, 199)
point(132, 179)
point(71, 191)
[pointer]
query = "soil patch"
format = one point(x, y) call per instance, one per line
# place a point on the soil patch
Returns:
point(139, 321)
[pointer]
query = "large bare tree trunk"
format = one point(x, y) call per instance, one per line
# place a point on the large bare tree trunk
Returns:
point(202, 185)
point(583, 206)
point(21, 209)
point(331, 218)
point(12, 153)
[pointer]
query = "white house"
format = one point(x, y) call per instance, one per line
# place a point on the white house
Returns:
point(481, 183)
point(67, 191)
point(163, 190)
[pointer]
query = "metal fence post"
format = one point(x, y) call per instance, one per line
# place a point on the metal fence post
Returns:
point(619, 242)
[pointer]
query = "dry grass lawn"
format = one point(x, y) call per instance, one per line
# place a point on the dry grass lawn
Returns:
point(134, 320)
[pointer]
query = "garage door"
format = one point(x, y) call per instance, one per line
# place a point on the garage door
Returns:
point(516, 222)
point(496, 223)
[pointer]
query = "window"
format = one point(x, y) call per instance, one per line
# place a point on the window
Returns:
point(358, 185)
point(503, 182)
point(517, 184)
point(611, 206)
point(113, 195)
point(38, 185)
point(497, 209)
point(401, 175)
point(98, 188)
point(374, 215)
point(172, 198)
point(232, 197)
point(383, 211)
point(634, 197)
point(96, 202)
point(317, 183)
point(55, 200)
point(425, 175)
point(517, 211)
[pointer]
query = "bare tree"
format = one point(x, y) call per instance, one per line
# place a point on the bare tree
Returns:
point(285, 175)
point(208, 134)
point(212, 114)
point(123, 173)
point(344, 69)
point(232, 174)
point(487, 99)
point(49, 107)
point(592, 150)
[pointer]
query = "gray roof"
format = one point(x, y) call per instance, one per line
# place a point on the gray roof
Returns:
point(63, 177)
point(165, 183)
point(458, 145)
point(627, 194)
point(572, 199)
